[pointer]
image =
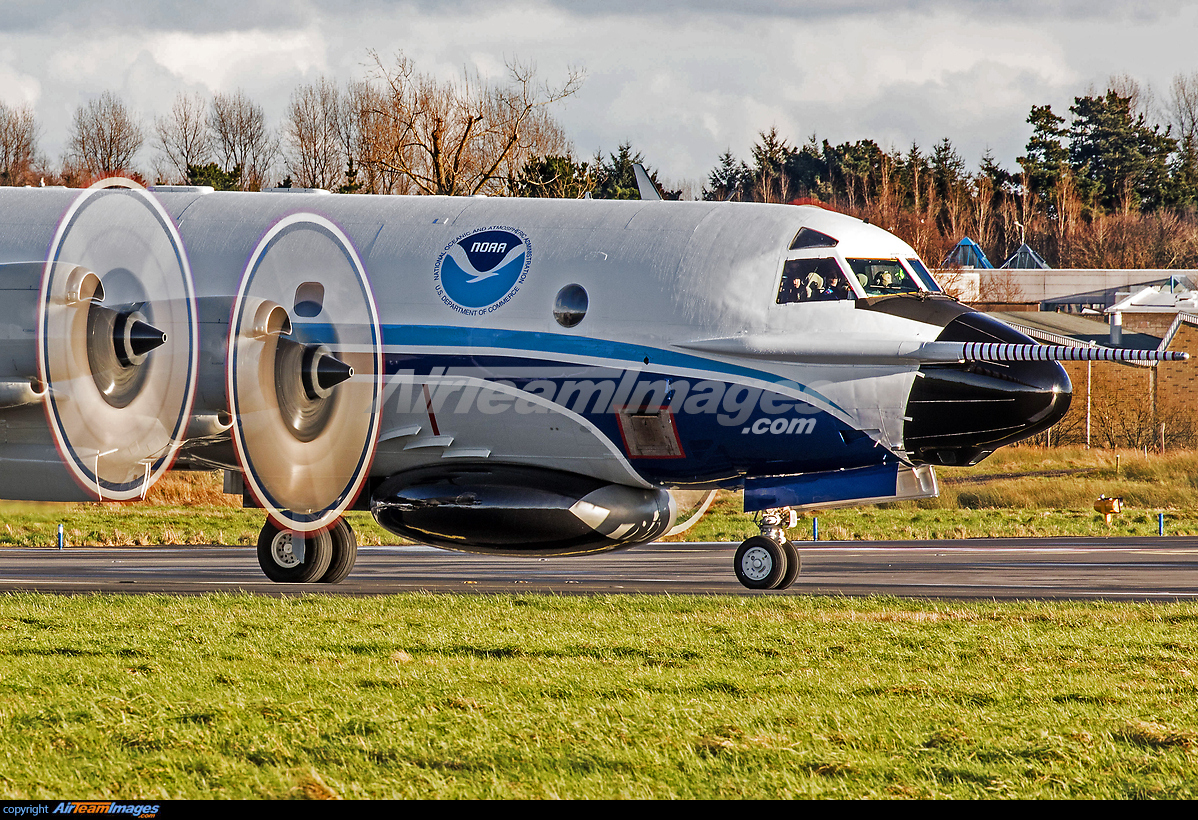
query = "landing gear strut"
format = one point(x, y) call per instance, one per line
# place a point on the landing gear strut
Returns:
point(324, 557)
point(769, 560)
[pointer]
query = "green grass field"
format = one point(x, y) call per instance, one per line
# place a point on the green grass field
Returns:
point(1017, 492)
point(612, 697)
point(627, 697)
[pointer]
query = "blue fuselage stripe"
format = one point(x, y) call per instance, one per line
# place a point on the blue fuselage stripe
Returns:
point(725, 431)
point(536, 343)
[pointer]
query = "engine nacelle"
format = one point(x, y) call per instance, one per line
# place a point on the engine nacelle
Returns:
point(511, 510)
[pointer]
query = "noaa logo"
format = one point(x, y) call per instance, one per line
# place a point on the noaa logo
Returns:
point(481, 271)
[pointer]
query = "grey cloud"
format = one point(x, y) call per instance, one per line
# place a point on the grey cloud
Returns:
point(826, 9)
point(134, 15)
point(790, 9)
point(235, 15)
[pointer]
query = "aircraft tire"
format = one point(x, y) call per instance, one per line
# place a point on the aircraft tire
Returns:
point(793, 565)
point(760, 563)
point(345, 552)
point(279, 562)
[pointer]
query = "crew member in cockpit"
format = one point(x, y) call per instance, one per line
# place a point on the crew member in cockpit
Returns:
point(792, 289)
point(833, 288)
point(836, 288)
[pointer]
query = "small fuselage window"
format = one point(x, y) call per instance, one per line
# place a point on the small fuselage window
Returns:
point(813, 280)
point(881, 277)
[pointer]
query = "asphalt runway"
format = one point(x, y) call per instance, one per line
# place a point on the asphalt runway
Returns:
point(1143, 569)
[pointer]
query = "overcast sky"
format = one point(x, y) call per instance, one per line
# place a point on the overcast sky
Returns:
point(681, 81)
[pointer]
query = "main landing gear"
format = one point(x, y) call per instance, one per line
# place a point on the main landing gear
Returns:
point(325, 556)
point(769, 560)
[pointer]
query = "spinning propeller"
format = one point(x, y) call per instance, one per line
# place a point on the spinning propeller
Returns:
point(304, 373)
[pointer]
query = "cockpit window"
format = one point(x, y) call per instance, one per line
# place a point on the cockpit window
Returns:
point(807, 238)
point(879, 277)
point(923, 275)
point(813, 280)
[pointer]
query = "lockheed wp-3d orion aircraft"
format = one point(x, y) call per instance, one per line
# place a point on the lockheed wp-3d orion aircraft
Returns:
point(516, 376)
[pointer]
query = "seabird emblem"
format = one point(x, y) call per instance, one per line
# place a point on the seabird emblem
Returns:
point(482, 270)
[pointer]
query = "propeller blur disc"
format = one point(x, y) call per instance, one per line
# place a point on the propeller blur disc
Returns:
point(305, 389)
point(117, 430)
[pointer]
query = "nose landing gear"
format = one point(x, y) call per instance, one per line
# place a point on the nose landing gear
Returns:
point(769, 560)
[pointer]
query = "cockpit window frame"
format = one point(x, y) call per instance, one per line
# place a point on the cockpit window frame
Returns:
point(921, 275)
point(810, 238)
point(898, 262)
point(854, 292)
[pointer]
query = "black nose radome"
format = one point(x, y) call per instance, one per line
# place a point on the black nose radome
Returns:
point(960, 413)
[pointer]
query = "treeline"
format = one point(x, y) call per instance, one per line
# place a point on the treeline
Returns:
point(1113, 185)
point(398, 131)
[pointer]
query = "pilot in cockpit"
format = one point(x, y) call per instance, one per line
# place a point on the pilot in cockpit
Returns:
point(812, 280)
point(792, 289)
point(836, 288)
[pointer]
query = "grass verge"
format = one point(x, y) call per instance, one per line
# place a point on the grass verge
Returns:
point(630, 697)
point(1017, 492)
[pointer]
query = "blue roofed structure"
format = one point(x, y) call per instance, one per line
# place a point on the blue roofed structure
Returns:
point(966, 254)
point(1026, 259)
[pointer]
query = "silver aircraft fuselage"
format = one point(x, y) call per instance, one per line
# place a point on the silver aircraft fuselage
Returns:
point(644, 345)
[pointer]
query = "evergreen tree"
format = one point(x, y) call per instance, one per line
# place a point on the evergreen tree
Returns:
point(212, 174)
point(948, 167)
point(950, 182)
point(808, 172)
point(771, 155)
point(854, 170)
point(1046, 155)
point(728, 180)
point(615, 179)
point(352, 185)
point(1121, 163)
point(1183, 173)
point(1002, 180)
point(557, 176)
point(914, 178)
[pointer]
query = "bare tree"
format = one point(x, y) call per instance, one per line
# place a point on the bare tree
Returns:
point(18, 145)
point(315, 153)
point(362, 131)
point(105, 137)
point(982, 200)
point(1141, 98)
point(182, 139)
point(999, 287)
point(1183, 107)
point(464, 137)
point(240, 138)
